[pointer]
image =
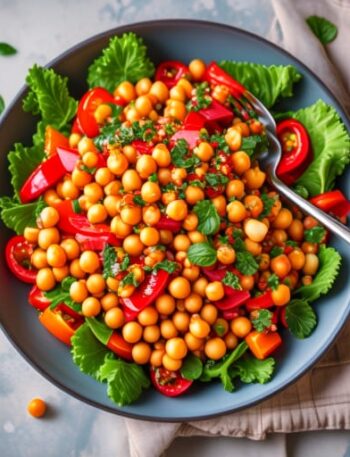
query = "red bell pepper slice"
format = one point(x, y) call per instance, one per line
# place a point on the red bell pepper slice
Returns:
point(217, 76)
point(296, 150)
point(96, 243)
point(194, 121)
point(171, 72)
point(169, 383)
point(260, 302)
point(333, 202)
point(110, 338)
point(153, 286)
point(87, 107)
point(191, 136)
point(56, 323)
point(18, 253)
point(37, 299)
point(69, 158)
point(217, 112)
point(76, 127)
point(282, 317)
point(235, 299)
point(263, 344)
point(230, 314)
point(166, 223)
point(142, 147)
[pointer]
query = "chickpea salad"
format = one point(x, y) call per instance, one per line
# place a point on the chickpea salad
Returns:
point(155, 247)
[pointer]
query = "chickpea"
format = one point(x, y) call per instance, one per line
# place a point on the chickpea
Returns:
point(193, 303)
point(164, 176)
point(220, 205)
point(283, 219)
point(181, 321)
point(71, 248)
point(235, 188)
point(309, 248)
point(253, 247)
point(204, 151)
point(296, 230)
point(143, 105)
point(91, 307)
point(37, 407)
point(45, 279)
point(148, 316)
point(191, 273)
point(215, 291)
point(220, 93)
point(143, 86)
point(166, 236)
point(156, 357)
point(120, 228)
point(117, 163)
point(89, 262)
point(141, 353)
point(197, 69)
point(194, 194)
point(132, 332)
point(78, 291)
point(199, 286)
point(297, 259)
point(56, 257)
point(51, 197)
point(133, 245)
point(49, 217)
point(311, 264)
point(97, 213)
point(215, 348)
point(146, 166)
point(95, 284)
point(193, 343)
point(264, 262)
point(110, 203)
point(306, 280)
point(247, 282)
point(254, 204)
point(241, 326)
point(178, 175)
point(168, 329)
point(310, 222)
point(177, 210)
point(85, 145)
point(149, 236)
point(151, 215)
point(226, 254)
point(165, 304)
point(159, 90)
point(112, 284)
point(242, 128)
point(150, 192)
point(170, 363)
point(233, 138)
point(161, 155)
point(69, 190)
point(151, 333)
point(179, 287)
point(81, 178)
point(75, 270)
point(93, 192)
point(199, 327)
point(60, 273)
point(281, 295)
point(31, 234)
point(254, 178)
point(231, 340)
point(102, 112)
point(181, 242)
point(190, 222)
point(90, 159)
point(109, 301)
point(103, 176)
point(196, 237)
point(279, 236)
point(256, 127)
point(240, 162)
point(176, 348)
point(186, 85)
point(176, 110)
point(130, 153)
point(236, 211)
point(48, 236)
point(281, 265)
point(74, 139)
point(131, 215)
point(209, 313)
point(126, 90)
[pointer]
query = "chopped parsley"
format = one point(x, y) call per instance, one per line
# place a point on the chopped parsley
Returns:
point(273, 281)
point(201, 98)
point(262, 320)
point(181, 157)
point(109, 256)
point(268, 203)
point(315, 234)
point(232, 280)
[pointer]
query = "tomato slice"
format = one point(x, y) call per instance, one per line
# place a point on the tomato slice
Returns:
point(54, 321)
point(119, 346)
point(296, 150)
point(333, 202)
point(169, 383)
point(260, 302)
point(87, 107)
point(18, 253)
point(37, 299)
point(170, 72)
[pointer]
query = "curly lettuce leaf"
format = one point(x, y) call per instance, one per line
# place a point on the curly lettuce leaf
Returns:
point(125, 58)
point(267, 83)
point(49, 96)
point(17, 216)
point(330, 261)
point(23, 160)
point(330, 143)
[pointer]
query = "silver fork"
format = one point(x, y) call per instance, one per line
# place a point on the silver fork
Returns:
point(269, 161)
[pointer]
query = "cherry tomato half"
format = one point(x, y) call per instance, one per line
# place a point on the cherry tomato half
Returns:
point(87, 107)
point(169, 383)
point(18, 252)
point(170, 72)
point(296, 150)
point(37, 299)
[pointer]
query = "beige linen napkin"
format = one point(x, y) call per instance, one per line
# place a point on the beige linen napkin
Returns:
point(321, 399)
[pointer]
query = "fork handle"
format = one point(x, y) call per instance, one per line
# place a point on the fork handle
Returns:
point(327, 221)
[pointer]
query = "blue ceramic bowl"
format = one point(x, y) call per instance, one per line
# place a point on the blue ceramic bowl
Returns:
point(168, 40)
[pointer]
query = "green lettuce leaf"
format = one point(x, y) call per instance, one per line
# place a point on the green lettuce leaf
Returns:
point(48, 96)
point(17, 216)
point(88, 353)
point(125, 380)
point(330, 143)
point(330, 261)
point(267, 83)
point(125, 58)
point(23, 160)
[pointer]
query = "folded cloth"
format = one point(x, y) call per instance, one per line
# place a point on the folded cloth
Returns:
point(321, 399)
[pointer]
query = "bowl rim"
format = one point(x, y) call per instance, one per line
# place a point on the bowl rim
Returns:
point(326, 344)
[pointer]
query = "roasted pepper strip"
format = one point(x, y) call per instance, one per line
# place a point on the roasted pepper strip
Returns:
point(263, 344)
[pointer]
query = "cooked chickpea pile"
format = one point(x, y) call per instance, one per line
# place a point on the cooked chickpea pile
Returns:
point(184, 317)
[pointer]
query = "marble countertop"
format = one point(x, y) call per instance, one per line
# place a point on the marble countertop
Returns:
point(41, 30)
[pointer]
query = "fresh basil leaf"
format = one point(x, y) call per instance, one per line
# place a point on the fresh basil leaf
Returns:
point(129, 280)
point(181, 157)
point(208, 217)
point(315, 234)
point(215, 179)
point(273, 281)
point(124, 59)
point(201, 254)
point(138, 200)
point(322, 28)
point(192, 368)
point(166, 265)
point(301, 318)
point(276, 251)
point(246, 263)
point(7, 49)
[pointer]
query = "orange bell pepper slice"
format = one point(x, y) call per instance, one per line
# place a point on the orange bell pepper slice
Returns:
point(53, 321)
point(54, 139)
point(263, 344)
